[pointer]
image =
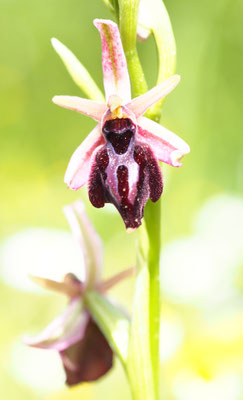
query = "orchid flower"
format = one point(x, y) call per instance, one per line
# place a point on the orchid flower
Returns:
point(85, 352)
point(119, 159)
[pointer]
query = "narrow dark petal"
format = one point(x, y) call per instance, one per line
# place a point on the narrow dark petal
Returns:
point(88, 359)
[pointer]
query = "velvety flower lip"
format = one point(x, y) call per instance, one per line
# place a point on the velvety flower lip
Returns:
point(119, 158)
point(85, 353)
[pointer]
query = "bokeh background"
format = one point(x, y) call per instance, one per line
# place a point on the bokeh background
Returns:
point(202, 257)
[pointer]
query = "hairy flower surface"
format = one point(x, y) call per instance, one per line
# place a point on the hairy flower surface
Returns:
point(85, 352)
point(119, 158)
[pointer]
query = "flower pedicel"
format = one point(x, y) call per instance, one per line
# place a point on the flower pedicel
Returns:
point(119, 158)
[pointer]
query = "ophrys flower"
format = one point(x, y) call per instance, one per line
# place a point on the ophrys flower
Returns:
point(119, 158)
point(85, 352)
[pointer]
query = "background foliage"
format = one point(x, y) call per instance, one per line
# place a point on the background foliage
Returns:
point(202, 266)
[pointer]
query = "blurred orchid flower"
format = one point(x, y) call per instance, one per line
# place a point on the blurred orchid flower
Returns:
point(119, 158)
point(85, 353)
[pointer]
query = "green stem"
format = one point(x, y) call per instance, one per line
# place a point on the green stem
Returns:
point(139, 363)
point(143, 349)
point(152, 219)
point(128, 14)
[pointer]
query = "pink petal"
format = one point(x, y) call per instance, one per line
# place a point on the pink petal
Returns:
point(140, 104)
point(78, 169)
point(167, 146)
point(115, 73)
point(67, 329)
point(115, 279)
point(70, 286)
point(91, 108)
point(88, 240)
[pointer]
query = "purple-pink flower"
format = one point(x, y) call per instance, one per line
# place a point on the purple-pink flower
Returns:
point(85, 353)
point(119, 159)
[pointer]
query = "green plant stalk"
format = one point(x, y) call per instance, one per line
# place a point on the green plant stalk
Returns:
point(128, 15)
point(143, 349)
point(152, 219)
point(139, 363)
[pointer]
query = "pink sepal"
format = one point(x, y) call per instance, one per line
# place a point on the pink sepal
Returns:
point(140, 104)
point(115, 73)
point(91, 108)
point(77, 173)
point(88, 240)
point(167, 146)
point(65, 330)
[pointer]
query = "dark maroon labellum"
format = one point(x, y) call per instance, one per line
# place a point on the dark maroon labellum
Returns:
point(88, 359)
point(119, 158)
point(144, 157)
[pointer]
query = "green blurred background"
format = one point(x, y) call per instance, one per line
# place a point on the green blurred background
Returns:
point(202, 218)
